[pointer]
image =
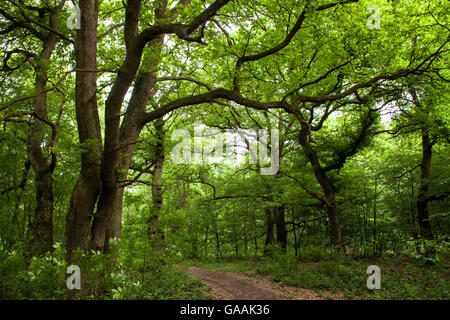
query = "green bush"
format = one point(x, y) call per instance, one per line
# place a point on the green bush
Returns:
point(45, 278)
point(11, 264)
point(313, 254)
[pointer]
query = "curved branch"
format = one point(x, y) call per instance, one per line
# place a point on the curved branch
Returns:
point(208, 97)
point(208, 87)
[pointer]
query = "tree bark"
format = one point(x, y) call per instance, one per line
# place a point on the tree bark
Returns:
point(43, 165)
point(218, 252)
point(327, 187)
point(295, 234)
point(154, 230)
point(281, 227)
point(422, 198)
point(120, 139)
point(269, 226)
point(129, 132)
point(206, 241)
point(87, 188)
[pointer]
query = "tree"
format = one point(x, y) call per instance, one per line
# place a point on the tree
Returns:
point(40, 143)
point(99, 183)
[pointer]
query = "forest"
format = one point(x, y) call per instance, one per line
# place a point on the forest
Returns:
point(227, 149)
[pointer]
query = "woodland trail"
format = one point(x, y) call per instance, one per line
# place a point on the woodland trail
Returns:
point(237, 286)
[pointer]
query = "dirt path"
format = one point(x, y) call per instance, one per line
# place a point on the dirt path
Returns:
point(236, 286)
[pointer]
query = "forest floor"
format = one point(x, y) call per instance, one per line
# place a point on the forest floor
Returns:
point(331, 277)
point(239, 286)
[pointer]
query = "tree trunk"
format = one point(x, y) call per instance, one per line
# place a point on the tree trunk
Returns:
point(327, 187)
point(245, 240)
point(154, 230)
point(281, 227)
point(422, 198)
point(43, 166)
point(88, 186)
point(295, 233)
point(335, 227)
point(255, 234)
point(15, 218)
point(218, 252)
point(206, 241)
point(269, 226)
point(236, 243)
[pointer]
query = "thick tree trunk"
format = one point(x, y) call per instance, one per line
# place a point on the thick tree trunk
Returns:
point(129, 133)
point(43, 214)
point(105, 211)
point(15, 218)
point(87, 188)
point(422, 198)
point(120, 140)
point(110, 172)
point(114, 229)
point(103, 177)
point(81, 210)
point(108, 220)
point(42, 222)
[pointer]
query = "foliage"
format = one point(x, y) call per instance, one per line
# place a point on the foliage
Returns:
point(363, 122)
